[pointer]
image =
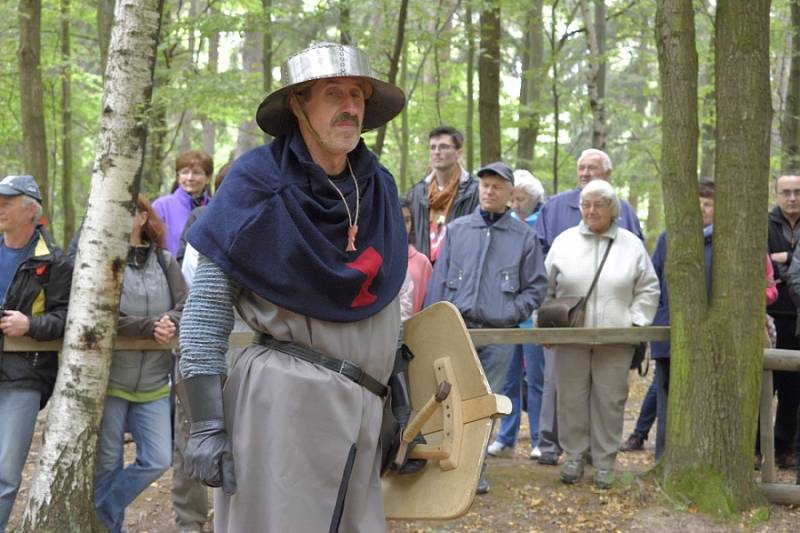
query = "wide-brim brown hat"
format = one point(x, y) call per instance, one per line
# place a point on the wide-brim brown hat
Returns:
point(329, 60)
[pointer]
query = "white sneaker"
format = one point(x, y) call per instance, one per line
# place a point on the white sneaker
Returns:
point(535, 453)
point(498, 449)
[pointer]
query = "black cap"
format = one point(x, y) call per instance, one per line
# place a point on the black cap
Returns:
point(497, 168)
point(17, 185)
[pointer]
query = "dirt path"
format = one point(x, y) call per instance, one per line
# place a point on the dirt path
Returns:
point(526, 497)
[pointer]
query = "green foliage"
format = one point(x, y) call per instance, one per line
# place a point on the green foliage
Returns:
point(436, 55)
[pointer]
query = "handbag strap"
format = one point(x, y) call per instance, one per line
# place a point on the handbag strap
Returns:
point(597, 274)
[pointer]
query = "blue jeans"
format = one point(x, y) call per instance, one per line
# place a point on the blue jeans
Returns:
point(495, 359)
point(18, 410)
point(534, 373)
point(647, 413)
point(116, 487)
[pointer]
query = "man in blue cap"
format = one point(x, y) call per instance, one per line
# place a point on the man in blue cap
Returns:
point(491, 268)
point(35, 278)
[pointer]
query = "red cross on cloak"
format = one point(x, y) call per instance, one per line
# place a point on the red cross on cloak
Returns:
point(368, 263)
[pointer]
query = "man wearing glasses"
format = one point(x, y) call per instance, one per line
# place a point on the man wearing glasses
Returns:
point(448, 192)
point(784, 232)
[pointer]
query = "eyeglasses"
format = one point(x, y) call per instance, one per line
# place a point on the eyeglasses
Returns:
point(788, 193)
point(586, 206)
point(186, 172)
point(441, 147)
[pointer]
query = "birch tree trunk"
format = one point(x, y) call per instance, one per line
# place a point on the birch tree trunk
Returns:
point(489, 83)
point(62, 494)
point(31, 106)
point(717, 345)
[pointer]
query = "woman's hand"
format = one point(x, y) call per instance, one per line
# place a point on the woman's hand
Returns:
point(165, 330)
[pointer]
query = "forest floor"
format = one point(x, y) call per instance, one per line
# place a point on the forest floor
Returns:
point(526, 497)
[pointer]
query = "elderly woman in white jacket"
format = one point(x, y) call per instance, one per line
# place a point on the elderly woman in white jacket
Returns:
point(592, 380)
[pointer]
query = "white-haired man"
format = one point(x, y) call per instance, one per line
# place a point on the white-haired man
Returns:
point(559, 213)
point(35, 279)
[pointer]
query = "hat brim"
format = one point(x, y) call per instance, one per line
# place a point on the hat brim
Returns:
point(6, 190)
point(275, 118)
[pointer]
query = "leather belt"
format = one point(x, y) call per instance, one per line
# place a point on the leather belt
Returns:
point(344, 367)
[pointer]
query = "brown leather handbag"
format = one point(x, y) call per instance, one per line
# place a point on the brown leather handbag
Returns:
point(567, 311)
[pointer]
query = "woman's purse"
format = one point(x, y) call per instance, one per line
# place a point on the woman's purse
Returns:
point(567, 311)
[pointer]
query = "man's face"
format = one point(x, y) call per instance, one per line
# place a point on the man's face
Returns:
point(336, 111)
point(443, 152)
point(707, 210)
point(13, 214)
point(590, 167)
point(787, 195)
point(495, 192)
point(193, 180)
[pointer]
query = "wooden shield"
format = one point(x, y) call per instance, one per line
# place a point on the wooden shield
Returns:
point(458, 429)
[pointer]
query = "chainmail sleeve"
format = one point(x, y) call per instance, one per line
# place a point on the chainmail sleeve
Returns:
point(207, 321)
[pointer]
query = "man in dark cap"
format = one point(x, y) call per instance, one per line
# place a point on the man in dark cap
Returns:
point(491, 268)
point(307, 240)
point(35, 279)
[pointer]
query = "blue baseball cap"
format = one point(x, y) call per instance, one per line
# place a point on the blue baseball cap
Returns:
point(499, 169)
point(17, 185)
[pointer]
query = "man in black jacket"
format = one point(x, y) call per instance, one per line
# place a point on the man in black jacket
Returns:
point(35, 279)
point(784, 232)
point(447, 193)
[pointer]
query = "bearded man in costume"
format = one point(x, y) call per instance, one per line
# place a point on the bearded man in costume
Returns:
point(306, 239)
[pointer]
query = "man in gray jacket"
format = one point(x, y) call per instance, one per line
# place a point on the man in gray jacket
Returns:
point(491, 268)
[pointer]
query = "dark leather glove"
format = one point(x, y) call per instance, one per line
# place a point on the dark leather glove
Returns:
point(208, 456)
point(396, 416)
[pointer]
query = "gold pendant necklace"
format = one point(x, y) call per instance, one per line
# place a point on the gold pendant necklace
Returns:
point(352, 228)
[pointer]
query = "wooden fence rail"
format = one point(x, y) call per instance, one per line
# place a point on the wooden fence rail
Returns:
point(774, 359)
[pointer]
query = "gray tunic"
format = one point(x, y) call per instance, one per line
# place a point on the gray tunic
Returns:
point(305, 439)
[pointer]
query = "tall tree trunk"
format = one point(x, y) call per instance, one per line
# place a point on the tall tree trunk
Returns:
point(105, 17)
point(249, 136)
point(394, 66)
point(555, 50)
point(531, 86)
point(595, 73)
point(344, 22)
point(716, 346)
point(61, 496)
point(405, 130)
point(67, 207)
point(31, 103)
point(790, 126)
point(469, 133)
point(267, 51)
point(489, 82)
point(708, 129)
point(209, 128)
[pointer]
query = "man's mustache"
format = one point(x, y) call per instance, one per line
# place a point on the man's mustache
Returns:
point(345, 117)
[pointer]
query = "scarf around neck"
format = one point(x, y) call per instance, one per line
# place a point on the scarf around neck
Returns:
point(279, 228)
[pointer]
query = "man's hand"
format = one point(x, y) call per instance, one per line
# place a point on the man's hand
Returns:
point(14, 323)
point(779, 257)
point(207, 456)
point(164, 330)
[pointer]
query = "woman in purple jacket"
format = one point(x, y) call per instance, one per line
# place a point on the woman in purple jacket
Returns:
point(193, 170)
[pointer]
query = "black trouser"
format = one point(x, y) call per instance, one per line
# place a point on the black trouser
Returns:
point(787, 385)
